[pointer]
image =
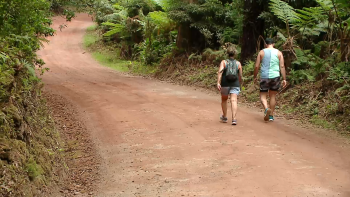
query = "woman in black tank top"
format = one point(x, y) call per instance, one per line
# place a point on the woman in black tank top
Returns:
point(227, 83)
point(227, 87)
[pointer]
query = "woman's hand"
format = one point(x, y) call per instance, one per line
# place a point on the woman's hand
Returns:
point(219, 86)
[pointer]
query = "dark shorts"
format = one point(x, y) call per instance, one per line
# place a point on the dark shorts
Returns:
point(270, 84)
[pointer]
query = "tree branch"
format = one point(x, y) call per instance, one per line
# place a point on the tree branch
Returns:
point(336, 12)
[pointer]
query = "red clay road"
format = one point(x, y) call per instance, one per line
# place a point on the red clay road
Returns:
point(159, 139)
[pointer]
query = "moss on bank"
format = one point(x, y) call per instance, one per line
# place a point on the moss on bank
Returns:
point(30, 160)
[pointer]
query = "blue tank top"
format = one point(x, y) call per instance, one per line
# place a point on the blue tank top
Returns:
point(270, 65)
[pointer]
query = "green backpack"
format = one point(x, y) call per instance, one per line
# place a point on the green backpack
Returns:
point(231, 70)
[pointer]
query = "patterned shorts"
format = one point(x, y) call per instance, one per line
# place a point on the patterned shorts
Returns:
point(270, 84)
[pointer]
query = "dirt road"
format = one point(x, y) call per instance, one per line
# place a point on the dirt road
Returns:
point(158, 139)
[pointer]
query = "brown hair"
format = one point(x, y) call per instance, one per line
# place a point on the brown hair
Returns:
point(231, 51)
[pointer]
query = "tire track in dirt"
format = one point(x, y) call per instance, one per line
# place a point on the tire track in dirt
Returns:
point(158, 139)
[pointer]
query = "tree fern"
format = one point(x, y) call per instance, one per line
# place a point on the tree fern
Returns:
point(161, 20)
point(281, 36)
point(117, 28)
point(110, 24)
point(117, 25)
point(312, 21)
point(284, 12)
point(325, 4)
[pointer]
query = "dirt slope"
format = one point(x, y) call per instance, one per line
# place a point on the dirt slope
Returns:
point(158, 139)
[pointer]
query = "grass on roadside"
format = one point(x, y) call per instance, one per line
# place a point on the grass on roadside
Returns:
point(91, 37)
point(89, 40)
point(108, 56)
point(140, 69)
point(110, 60)
point(104, 56)
point(92, 28)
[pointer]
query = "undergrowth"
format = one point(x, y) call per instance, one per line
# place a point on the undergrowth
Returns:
point(31, 163)
point(30, 160)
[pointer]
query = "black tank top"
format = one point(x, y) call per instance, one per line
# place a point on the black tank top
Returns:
point(225, 83)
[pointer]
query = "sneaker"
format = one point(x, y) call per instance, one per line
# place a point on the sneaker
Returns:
point(271, 118)
point(234, 122)
point(223, 119)
point(267, 114)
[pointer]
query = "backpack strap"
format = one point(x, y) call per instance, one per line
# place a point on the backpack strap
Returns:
point(234, 61)
point(226, 61)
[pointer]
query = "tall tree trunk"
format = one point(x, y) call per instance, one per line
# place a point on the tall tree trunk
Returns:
point(253, 27)
point(344, 49)
point(183, 35)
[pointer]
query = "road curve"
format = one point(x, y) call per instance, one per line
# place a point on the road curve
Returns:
point(159, 139)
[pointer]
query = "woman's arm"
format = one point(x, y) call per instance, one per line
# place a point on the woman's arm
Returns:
point(240, 77)
point(221, 69)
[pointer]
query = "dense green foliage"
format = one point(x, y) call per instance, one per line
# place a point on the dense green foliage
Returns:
point(68, 8)
point(217, 21)
point(314, 36)
point(316, 45)
point(30, 156)
point(148, 31)
point(23, 27)
point(137, 27)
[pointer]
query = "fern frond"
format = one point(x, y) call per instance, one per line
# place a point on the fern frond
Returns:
point(311, 21)
point(325, 4)
point(117, 29)
point(28, 66)
point(3, 56)
point(283, 11)
point(280, 35)
point(110, 24)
